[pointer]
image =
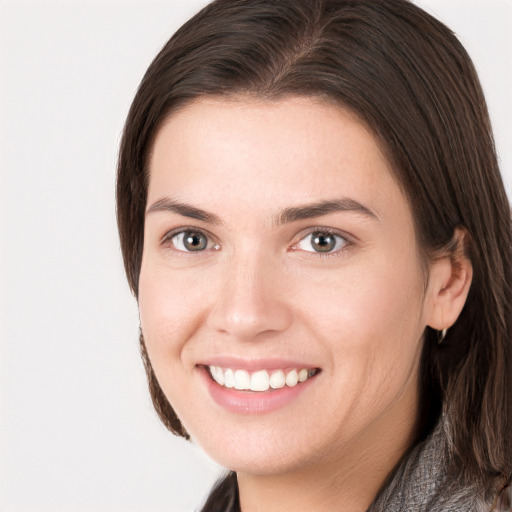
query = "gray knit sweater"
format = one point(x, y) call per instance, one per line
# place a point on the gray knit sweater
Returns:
point(421, 484)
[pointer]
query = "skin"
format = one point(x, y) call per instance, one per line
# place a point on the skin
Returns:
point(260, 290)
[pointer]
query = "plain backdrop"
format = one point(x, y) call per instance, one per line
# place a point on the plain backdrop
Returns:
point(77, 430)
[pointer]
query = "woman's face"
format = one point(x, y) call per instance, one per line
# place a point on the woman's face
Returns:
point(280, 256)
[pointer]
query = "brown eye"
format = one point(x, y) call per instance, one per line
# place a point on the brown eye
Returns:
point(322, 242)
point(190, 241)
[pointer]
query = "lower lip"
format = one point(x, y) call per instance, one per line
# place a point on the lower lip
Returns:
point(253, 402)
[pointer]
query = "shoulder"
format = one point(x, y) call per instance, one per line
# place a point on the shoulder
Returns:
point(422, 482)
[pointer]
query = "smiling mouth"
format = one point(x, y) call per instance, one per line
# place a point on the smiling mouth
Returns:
point(261, 380)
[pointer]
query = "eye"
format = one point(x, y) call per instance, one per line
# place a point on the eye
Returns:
point(322, 242)
point(190, 241)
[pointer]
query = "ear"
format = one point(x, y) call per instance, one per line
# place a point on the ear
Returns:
point(450, 278)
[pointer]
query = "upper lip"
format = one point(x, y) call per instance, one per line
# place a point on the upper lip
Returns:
point(255, 364)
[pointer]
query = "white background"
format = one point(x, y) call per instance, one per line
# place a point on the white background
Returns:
point(77, 431)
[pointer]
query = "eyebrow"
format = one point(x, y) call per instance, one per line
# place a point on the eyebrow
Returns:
point(186, 210)
point(288, 215)
point(320, 208)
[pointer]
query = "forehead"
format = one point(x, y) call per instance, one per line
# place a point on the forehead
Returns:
point(295, 150)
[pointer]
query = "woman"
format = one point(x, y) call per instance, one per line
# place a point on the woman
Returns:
point(313, 222)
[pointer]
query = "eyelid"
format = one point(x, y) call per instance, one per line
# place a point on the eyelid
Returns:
point(167, 239)
point(215, 245)
point(349, 240)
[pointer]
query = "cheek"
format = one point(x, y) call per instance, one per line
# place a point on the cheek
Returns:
point(369, 319)
point(168, 311)
point(365, 299)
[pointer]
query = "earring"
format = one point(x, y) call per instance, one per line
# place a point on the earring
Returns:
point(441, 335)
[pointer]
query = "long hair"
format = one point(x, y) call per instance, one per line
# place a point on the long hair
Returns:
point(407, 77)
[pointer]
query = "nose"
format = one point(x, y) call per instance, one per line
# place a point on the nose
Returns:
point(251, 300)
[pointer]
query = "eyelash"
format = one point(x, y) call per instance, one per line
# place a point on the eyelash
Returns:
point(346, 242)
point(167, 241)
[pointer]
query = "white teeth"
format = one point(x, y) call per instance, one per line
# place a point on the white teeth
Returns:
point(259, 380)
point(242, 380)
point(292, 377)
point(277, 380)
point(229, 378)
point(217, 374)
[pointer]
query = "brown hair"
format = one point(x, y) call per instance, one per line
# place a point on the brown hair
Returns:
point(410, 80)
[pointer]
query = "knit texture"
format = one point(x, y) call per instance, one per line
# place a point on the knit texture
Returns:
point(421, 483)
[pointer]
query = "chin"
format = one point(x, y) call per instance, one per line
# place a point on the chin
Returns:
point(266, 450)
